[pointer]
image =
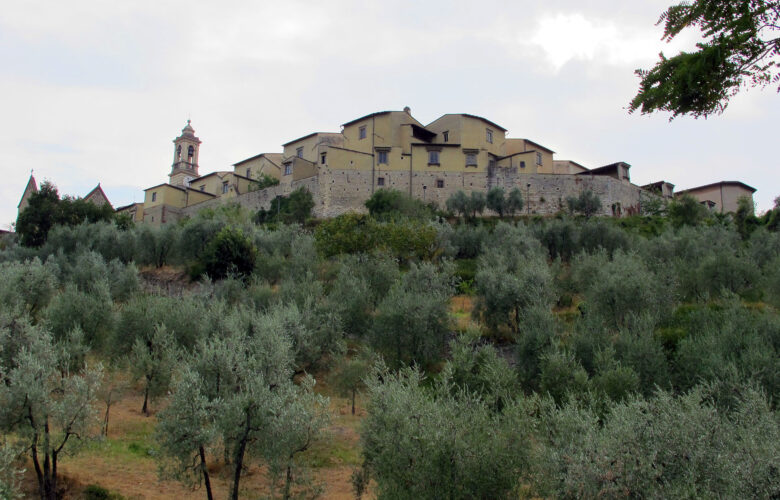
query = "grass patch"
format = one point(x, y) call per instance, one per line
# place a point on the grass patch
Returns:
point(331, 452)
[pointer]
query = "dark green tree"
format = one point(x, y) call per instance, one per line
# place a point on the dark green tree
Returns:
point(230, 253)
point(741, 48)
point(587, 203)
point(514, 201)
point(45, 209)
point(496, 201)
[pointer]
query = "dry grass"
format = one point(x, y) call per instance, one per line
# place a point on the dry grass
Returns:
point(124, 463)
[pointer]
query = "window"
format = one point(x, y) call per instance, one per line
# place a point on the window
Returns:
point(446, 135)
point(382, 157)
point(178, 153)
point(522, 164)
point(439, 183)
point(380, 181)
point(249, 173)
point(287, 168)
point(190, 154)
point(471, 159)
point(203, 187)
point(489, 135)
point(362, 132)
point(299, 152)
point(491, 162)
point(154, 196)
point(433, 157)
point(322, 158)
point(538, 158)
point(224, 187)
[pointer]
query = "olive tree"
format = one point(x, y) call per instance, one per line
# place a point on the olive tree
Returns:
point(236, 394)
point(46, 400)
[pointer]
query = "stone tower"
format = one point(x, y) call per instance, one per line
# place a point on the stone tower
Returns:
point(185, 157)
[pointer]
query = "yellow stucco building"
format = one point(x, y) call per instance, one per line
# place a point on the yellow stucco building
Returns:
point(392, 150)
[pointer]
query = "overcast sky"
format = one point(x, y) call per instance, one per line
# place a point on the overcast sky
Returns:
point(94, 91)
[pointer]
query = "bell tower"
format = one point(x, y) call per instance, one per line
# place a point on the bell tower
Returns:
point(185, 157)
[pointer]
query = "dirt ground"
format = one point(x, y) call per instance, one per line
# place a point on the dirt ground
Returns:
point(124, 463)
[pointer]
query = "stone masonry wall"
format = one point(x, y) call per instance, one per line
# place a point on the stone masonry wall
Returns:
point(337, 191)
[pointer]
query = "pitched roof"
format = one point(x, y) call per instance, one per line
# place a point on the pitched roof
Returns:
point(98, 190)
point(274, 158)
point(492, 124)
point(32, 187)
point(721, 183)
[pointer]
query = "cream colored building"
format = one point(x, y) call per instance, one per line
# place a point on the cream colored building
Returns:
point(393, 150)
point(720, 196)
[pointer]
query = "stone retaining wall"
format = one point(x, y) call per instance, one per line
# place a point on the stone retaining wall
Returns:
point(337, 191)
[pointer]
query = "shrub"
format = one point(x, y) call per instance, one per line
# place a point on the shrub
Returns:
point(230, 253)
point(386, 204)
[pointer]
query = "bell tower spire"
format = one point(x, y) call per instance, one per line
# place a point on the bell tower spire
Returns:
point(185, 157)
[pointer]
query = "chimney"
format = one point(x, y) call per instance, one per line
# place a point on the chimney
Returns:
point(408, 110)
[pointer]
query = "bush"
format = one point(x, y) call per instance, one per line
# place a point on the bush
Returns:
point(230, 253)
point(295, 208)
point(387, 204)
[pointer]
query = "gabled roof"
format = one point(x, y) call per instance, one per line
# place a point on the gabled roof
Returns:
point(219, 173)
point(274, 158)
point(32, 187)
point(492, 124)
point(378, 113)
point(98, 190)
point(529, 141)
point(307, 136)
point(180, 188)
point(721, 183)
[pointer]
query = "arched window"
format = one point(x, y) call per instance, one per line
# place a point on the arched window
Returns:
point(178, 153)
point(190, 154)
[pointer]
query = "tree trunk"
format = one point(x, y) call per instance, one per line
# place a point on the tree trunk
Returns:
point(353, 400)
point(239, 460)
point(48, 487)
point(105, 420)
point(37, 465)
point(145, 409)
point(205, 471)
point(288, 480)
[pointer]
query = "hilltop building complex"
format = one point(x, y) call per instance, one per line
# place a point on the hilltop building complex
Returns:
point(392, 150)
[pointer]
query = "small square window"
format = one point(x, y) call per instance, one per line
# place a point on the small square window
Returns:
point(489, 135)
point(446, 135)
point(322, 158)
point(224, 187)
point(299, 152)
point(154, 196)
point(249, 172)
point(203, 187)
point(471, 160)
point(287, 168)
point(439, 183)
point(538, 158)
point(522, 164)
point(382, 157)
point(491, 163)
point(362, 132)
point(380, 181)
point(433, 157)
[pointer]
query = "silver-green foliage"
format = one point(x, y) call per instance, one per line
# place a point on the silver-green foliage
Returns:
point(236, 395)
point(512, 277)
point(661, 447)
point(46, 400)
point(411, 322)
point(442, 442)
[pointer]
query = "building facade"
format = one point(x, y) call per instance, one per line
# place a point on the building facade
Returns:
point(393, 150)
